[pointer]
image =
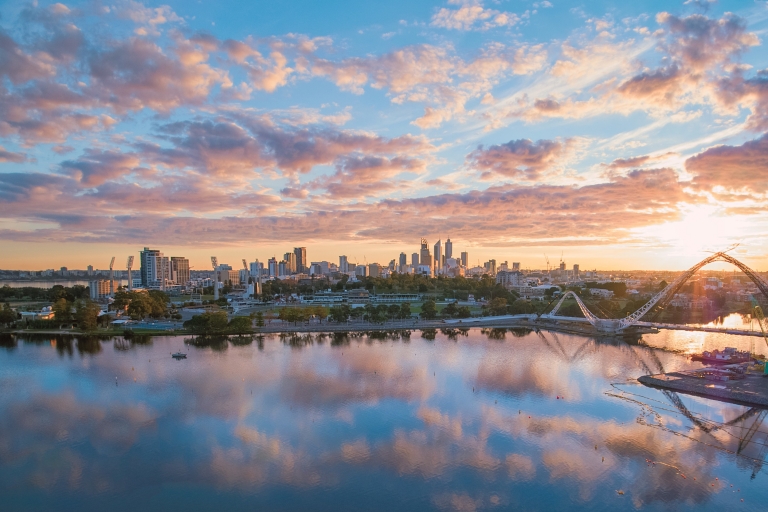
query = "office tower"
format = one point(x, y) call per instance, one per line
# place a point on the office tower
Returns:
point(490, 267)
point(562, 266)
point(149, 271)
point(415, 260)
point(438, 257)
point(374, 270)
point(283, 268)
point(426, 257)
point(179, 270)
point(300, 263)
point(343, 264)
point(448, 249)
point(163, 271)
point(464, 259)
point(290, 261)
point(90, 270)
point(403, 260)
point(515, 265)
point(576, 270)
point(272, 266)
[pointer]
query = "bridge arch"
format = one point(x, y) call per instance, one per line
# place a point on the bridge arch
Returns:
point(662, 298)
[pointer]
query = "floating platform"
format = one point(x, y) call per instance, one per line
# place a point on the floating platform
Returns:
point(752, 390)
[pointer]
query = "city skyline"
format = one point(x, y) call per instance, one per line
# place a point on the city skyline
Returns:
point(623, 137)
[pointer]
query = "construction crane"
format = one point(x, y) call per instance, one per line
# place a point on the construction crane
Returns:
point(215, 263)
point(129, 266)
point(112, 277)
point(546, 258)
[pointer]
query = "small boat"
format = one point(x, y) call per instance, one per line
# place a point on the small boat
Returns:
point(729, 355)
point(179, 355)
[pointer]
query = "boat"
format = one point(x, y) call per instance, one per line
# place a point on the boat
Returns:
point(179, 355)
point(729, 355)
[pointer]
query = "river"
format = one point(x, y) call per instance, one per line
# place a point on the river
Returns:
point(478, 420)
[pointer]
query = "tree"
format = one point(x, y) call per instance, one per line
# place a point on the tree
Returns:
point(7, 315)
point(521, 307)
point(393, 311)
point(240, 325)
point(259, 319)
point(405, 310)
point(340, 314)
point(498, 306)
point(429, 310)
point(451, 310)
point(87, 314)
point(62, 310)
point(463, 312)
point(140, 306)
point(208, 323)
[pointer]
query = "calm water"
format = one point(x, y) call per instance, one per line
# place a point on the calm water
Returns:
point(471, 422)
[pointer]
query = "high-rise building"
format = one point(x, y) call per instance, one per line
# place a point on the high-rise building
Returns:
point(179, 270)
point(438, 257)
point(272, 266)
point(343, 264)
point(415, 260)
point(426, 257)
point(290, 261)
point(576, 270)
point(374, 270)
point(515, 265)
point(256, 268)
point(464, 259)
point(490, 267)
point(403, 260)
point(562, 266)
point(90, 270)
point(448, 249)
point(149, 271)
point(283, 268)
point(301, 262)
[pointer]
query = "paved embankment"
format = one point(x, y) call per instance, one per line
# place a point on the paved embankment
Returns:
point(752, 391)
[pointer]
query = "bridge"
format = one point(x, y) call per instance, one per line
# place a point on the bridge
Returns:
point(661, 299)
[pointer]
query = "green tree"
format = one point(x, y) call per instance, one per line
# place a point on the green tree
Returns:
point(240, 325)
point(210, 322)
point(87, 314)
point(259, 319)
point(140, 306)
point(451, 310)
point(521, 307)
point(62, 310)
point(7, 315)
point(340, 314)
point(498, 306)
point(405, 310)
point(429, 310)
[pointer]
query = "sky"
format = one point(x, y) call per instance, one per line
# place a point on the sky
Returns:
point(615, 135)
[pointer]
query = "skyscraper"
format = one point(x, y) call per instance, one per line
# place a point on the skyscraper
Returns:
point(179, 270)
point(290, 262)
point(515, 265)
point(576, 270)
point(403, 260)
point(464, 259)
point(415, 260)
point(301, 263)
point(426, 256)
point(438, 257)
point(272, 266)
point(343, 264)
point(149, 271)
point(448, 249)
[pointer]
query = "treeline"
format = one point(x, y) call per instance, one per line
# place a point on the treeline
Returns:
point(618, 289)
point(440, 287)
point(42, 294)
point(138, 305)
point(215, 322)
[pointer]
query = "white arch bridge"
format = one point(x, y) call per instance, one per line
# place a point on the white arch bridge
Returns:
point(661, 299)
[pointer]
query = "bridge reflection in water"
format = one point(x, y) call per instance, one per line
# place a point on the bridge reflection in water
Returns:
point(660, 300)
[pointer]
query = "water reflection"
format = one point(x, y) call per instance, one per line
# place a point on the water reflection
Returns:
point(440, 419)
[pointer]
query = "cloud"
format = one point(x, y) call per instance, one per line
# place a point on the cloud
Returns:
point(96, 167)
point(637, 161)
point(472, 16)
point(521, 158)
point(10, 156)
point(736, 168)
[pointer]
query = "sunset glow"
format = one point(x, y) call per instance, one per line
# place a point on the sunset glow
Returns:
point(629, 137)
